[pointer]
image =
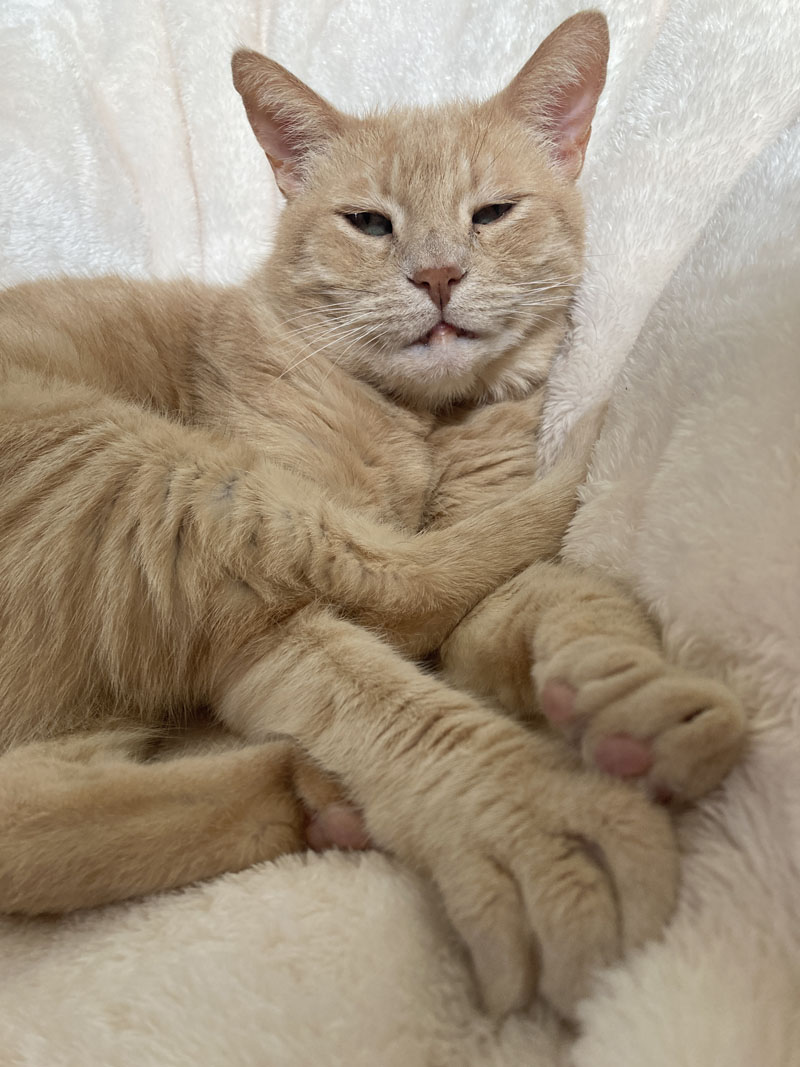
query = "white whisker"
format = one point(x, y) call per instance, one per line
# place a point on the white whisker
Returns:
point(315, 352)
point(319, 310)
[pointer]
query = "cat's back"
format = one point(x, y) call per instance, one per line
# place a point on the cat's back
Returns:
point(128, 338)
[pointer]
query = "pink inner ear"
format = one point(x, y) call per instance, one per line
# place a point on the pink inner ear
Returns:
point(282, 154)
point(270, 137)
point(578, 116)
point(556, 92)
point(571, 123)
point(289, 120)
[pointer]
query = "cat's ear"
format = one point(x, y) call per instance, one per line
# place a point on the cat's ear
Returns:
point(556, 92)
point(290, 121)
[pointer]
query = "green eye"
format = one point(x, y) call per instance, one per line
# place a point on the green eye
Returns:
point(490, 213)
point(370, 222)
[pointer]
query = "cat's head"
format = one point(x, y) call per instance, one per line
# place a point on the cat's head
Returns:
point(434, 252)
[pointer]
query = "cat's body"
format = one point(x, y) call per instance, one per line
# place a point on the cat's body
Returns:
point(260, 501)
point(108, 342)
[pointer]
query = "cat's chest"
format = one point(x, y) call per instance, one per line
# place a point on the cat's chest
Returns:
point(367, 452)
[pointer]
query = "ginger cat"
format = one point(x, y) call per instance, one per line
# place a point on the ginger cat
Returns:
point(261, 503)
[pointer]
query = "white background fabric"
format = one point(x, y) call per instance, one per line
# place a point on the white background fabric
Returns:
point(124, 148)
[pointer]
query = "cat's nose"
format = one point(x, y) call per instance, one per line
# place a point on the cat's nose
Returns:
point(439, 282)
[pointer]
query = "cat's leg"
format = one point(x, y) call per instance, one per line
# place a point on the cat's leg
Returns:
point(84, 821)
point(135, 549)
point(143, 537)
point(576, 648)
point(546, 870)
point(492, 531)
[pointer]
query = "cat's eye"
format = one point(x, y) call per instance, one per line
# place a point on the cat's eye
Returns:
point(490, 213)
point(370, 222)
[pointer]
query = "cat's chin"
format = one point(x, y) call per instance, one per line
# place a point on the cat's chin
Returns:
point(451, 365)
point(443, 354)
point(439, 368)
point(457, 367)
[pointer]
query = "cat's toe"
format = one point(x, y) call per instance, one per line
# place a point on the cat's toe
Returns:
point(337, 826)
point(623, 756)
point(633, 716)
point(545, 901)
point(485, 905)
point(701, 736)
point(611, 888)
point(679, 734)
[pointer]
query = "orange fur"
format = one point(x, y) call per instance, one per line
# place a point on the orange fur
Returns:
point(262, 501)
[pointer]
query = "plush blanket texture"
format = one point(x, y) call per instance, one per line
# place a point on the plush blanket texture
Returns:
point(124, 148)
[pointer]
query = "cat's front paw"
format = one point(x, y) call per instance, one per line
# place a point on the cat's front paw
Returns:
point(634, 716)
point(548, 875)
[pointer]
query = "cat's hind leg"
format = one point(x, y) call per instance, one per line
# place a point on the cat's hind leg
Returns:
point(569, 645)
point(86, 820)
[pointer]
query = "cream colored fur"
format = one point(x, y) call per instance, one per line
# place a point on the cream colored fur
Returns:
point(262, 501)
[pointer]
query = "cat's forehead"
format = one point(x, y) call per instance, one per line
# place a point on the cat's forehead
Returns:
point(437, 160)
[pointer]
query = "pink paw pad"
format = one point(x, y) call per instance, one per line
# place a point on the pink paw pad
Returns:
point(623, 756)
point(558, 703)
point(337, 826)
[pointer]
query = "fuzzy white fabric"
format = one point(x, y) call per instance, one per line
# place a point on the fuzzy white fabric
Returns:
point(124, 148)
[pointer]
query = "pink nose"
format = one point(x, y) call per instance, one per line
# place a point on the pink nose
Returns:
point(439, 282)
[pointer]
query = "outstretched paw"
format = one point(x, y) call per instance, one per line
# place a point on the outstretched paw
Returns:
point(553, 876)
point(634, 716)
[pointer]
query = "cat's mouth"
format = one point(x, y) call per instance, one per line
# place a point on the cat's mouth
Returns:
point(443, 332)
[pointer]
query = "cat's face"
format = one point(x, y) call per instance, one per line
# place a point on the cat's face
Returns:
point(441, 249)
point(431, 253)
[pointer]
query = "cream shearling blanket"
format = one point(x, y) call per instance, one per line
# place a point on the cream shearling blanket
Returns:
point(126, 149)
